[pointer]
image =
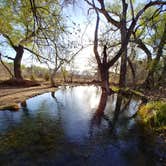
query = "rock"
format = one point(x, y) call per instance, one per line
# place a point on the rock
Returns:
point(12, 107)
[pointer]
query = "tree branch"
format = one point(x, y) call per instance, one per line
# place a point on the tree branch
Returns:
point(27, 38)
point(5, 66)
point(130, 30)
point(104, 12)
point(105, 55)
point(9, 40)
point(132, 9)
point(115, 58)
point(150, 4)
point(37, 55)
point(95, 48)
point(144, 48)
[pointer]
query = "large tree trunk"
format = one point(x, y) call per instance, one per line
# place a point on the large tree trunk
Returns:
point(52, 81)
point(122, 80)
point(123, 29)
point(105, 79)
point(17, 62)
point(52, 77)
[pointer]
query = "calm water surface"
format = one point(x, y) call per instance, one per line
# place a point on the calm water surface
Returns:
point(68, 128)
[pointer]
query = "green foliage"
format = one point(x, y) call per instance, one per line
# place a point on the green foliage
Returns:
point(160, 118)
point(115, 88)
point(19, 22)
point(153, 114)
point(114, 8)
point(12, 24)
point(152, 25)
point(127, 91)
point(39, 134)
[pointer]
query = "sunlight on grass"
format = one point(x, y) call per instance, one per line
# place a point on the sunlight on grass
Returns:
point(153, 114)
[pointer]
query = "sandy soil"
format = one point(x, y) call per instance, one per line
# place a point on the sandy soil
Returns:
point(14, 95)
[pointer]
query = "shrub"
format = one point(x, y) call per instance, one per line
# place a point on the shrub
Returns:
point(153, 114)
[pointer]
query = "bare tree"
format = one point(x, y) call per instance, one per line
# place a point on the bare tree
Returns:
point(126, 30)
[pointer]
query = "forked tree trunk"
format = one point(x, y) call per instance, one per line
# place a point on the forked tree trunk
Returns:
point(17, 62)
point(105, 79)
point(52, 77)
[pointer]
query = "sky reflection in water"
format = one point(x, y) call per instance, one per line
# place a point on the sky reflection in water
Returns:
point(74, 110)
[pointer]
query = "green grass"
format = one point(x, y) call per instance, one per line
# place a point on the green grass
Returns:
point(127, 90)
point(35, 134)
point(153, 115)
point(115, 88)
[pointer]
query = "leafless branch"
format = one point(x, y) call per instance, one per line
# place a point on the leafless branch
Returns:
point(6, 67)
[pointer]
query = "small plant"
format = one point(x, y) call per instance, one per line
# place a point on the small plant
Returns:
point(153, 114)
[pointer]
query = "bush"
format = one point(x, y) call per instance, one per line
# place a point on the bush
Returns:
point(153, 114)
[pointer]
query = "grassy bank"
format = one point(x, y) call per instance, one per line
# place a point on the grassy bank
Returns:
point(153, 115)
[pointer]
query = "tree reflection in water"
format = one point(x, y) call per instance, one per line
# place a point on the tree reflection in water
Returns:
point(122, 104)
point(117, 110)
point(100, 110)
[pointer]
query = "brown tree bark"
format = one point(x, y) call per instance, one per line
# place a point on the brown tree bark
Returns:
point(126, 33)
point(101, 61)
point(17, 62)
point(123, 30)
point(5, 66)
point(104, 74)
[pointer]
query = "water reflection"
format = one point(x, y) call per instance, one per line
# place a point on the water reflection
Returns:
point(72, 127)
point(117, 110)
point(119, 105)
point(78, 108)
point(100, 109)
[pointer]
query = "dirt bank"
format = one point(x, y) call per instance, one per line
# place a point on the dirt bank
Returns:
point(13, 95)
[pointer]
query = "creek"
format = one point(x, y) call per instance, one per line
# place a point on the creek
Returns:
point(76, 126)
